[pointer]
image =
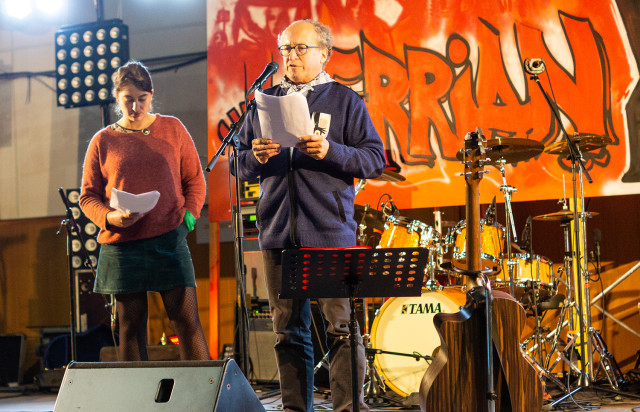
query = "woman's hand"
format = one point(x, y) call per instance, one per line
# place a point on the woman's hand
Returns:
point(314, 146)
point(263, 149)
point(121, 219)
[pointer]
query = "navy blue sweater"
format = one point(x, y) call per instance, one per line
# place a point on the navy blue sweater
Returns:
point(306, 202)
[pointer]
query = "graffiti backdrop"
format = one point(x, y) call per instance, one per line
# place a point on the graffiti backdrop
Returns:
point(432, 71)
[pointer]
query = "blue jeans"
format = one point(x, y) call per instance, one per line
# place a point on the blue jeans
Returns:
point(294, 348)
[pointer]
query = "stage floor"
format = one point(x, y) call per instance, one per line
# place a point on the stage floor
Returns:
point(33, 401)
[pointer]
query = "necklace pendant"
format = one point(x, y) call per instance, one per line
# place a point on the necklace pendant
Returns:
point(145, 131)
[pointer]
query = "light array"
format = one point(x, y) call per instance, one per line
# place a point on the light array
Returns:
point(87, 55)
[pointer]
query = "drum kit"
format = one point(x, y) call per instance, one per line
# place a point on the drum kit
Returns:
point(402, 339)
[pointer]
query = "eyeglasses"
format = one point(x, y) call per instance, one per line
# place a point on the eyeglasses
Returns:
point(301, 49)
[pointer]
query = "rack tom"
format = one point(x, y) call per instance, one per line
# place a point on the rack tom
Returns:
point(403, 232)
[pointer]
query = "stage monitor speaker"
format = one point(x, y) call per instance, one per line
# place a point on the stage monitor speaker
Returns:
point(156, 386)
point(11, 359)
point(261, 352)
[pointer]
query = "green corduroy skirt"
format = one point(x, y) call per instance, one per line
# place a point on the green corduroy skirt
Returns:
point(155, 264)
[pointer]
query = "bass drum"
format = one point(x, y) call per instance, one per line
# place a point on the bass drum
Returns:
point(405, 325)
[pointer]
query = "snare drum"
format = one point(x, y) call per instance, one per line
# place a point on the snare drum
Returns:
point(491, 243)
point(403, 232)
point(528, 272)
point(405, 325)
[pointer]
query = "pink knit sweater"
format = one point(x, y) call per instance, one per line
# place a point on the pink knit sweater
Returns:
point(164, 160)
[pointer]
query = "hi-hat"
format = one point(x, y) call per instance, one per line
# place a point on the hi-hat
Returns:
point(561, 216)
point(390, 176)
point(509, 150)
point(585, 142)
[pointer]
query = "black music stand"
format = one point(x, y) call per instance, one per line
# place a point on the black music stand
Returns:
point(351, 273)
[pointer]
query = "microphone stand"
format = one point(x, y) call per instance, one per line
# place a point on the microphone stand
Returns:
point(580, 251)
point(241, 321)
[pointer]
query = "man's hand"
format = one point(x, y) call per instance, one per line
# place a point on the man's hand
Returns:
point(314, 146)
point(121, 219)
point(263, 149)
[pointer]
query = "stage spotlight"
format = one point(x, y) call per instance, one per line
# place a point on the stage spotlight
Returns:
point(17, 9)
point(87, 55)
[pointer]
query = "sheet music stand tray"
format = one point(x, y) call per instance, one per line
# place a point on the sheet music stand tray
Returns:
point(351, 273)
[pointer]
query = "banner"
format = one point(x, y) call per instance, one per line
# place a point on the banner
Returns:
point(432, 71)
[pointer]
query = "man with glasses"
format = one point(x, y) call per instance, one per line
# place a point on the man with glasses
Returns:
point(307, 201)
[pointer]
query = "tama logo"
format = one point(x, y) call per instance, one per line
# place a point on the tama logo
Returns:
point(420, 308)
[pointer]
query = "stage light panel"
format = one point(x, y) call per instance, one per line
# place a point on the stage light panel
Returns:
point(87, 55)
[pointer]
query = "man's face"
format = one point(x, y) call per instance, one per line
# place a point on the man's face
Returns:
point(303, 69)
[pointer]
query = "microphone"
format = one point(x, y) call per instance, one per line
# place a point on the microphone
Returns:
point(394, 210)
point(597, 238)
point(268, 72)
point(490, 213)
point(534, 66)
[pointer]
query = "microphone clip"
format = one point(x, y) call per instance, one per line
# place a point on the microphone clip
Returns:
point(534, 66)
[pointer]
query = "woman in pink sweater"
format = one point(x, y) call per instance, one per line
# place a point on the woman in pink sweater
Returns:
point(139, 153)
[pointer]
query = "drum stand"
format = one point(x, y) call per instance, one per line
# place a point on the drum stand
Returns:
point(510, 225)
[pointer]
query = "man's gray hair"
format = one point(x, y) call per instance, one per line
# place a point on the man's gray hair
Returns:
point(325, 37)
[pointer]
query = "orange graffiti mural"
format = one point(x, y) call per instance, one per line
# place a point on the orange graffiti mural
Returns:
point(432, 73)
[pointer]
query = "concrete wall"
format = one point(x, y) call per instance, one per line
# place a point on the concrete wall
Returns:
point(41, 145)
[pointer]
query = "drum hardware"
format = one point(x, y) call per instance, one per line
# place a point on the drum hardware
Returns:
point(415, 355)
point(374, 386)
point(565, 217)
point(508, 192)
point(544, 374)
point(607, 363)
point(572, 148)
point(367, 217)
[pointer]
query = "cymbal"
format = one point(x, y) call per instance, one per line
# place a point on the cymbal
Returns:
point(561, 216)
point(585, 142)
point(390, 176)
point(509, 150)
point(372, 217)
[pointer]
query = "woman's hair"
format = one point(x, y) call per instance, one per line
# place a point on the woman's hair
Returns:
point(325, 38)
point(133, 73)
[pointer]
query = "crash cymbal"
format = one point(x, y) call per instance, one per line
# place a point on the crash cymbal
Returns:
point(561, 216)
point(509, 150)
point(372, 217)
point(390, 176)
point(585, 142)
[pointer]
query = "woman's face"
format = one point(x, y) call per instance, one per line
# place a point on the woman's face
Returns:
point(134, 103)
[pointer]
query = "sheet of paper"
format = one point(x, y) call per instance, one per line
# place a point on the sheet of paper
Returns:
point(284, 118)
point(128, 202)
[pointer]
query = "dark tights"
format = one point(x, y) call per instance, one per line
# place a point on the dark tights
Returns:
point(182, 309)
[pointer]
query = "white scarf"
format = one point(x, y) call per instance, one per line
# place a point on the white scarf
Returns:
point(305, 88)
